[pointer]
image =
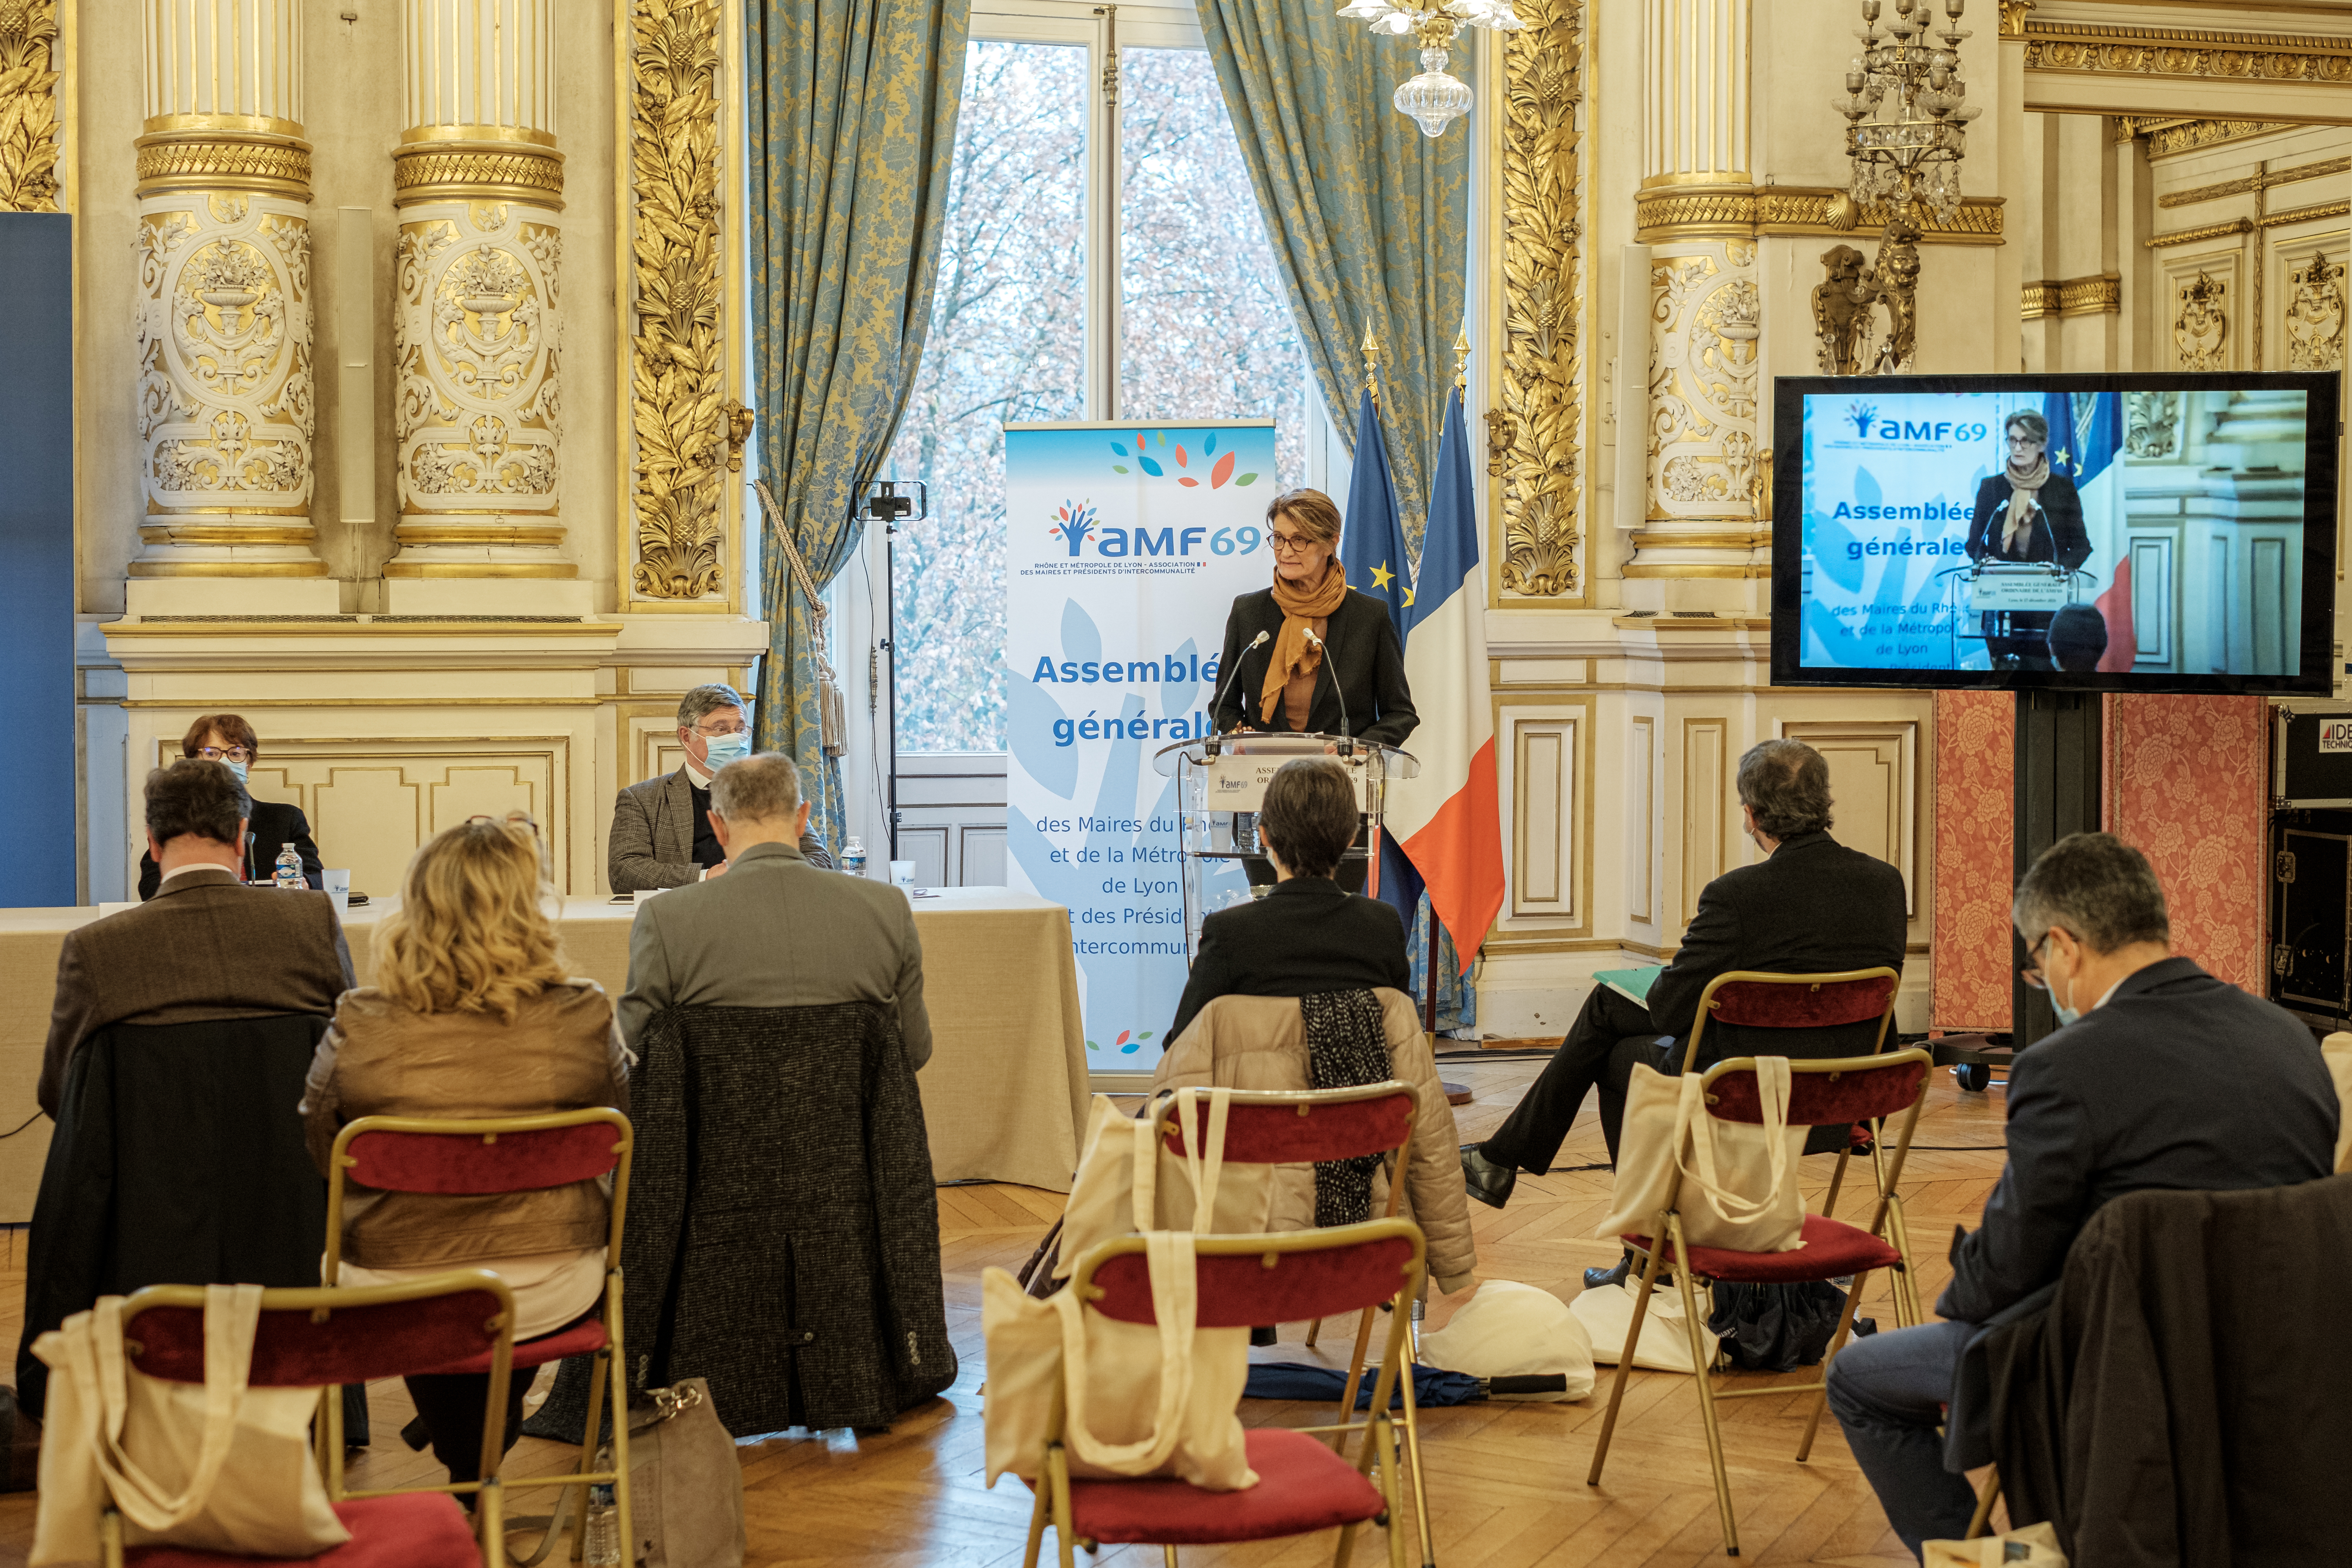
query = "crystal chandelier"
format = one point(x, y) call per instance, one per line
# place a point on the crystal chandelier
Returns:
point(1433, 99)
point(1907, 114)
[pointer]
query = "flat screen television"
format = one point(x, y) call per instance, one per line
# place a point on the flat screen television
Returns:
point(2122, 532)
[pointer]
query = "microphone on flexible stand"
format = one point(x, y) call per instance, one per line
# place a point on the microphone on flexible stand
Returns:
point(1215, 740)
point(1347, 741)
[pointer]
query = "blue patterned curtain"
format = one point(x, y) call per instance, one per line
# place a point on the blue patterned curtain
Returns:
point(853, 112)
point(1369, 218)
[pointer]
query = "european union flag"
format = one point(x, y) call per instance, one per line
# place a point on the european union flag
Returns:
point(1371, 541)
point(2087, 431)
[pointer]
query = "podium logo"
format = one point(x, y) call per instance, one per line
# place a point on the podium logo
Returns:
point(2336, 735)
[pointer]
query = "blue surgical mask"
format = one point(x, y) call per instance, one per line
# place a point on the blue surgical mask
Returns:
point(2065, 1015)
point(726, 749)
point(236, 768)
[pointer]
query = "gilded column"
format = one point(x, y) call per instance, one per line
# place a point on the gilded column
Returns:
point(475, 339)
point(222, 318)
point(1695, 210)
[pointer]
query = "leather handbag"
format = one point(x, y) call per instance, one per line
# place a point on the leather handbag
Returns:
point(1739, 1179)
point(1143, 1399)
point(214, 1467)
point(685, 1484)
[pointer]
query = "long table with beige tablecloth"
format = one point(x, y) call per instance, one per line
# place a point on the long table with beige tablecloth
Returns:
point(1005, 1094)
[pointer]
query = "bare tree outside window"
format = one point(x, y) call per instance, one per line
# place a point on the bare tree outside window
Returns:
point(1206, 332)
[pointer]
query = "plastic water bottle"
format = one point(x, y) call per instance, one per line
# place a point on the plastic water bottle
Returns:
point(601, 1537)
point(290, 868)
point(853, 857)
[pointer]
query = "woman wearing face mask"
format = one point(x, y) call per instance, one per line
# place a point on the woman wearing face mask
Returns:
point(271, 825)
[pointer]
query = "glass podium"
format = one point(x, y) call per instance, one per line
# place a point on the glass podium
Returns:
point(1221, 782)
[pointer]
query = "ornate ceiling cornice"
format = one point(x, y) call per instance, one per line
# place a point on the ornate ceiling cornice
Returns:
point(2185, 53)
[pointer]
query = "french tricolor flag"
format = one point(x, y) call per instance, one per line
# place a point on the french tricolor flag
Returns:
point(1448, 820)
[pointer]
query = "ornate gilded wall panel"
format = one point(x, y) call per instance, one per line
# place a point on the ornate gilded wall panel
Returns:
point(30, 132)
point(2199, 330)
point(674, 348)
point(1706, 320)
point(1536, 417)
point(2313, 316)
point(2179, 52)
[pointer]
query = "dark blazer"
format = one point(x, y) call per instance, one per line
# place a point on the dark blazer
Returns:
point(652, 843)
point(204, 949)
point(2181, 1081)
point(1303, 938)
point(2061, 517)
point(1811, 907)
point(783, 1237)
point(1361, 652)
point(274, 823)
point(2181, 1400)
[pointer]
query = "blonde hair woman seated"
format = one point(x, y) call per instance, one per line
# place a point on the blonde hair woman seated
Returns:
point(473, 1014)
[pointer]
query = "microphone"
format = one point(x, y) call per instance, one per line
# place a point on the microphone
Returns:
point(1346, 743)
point(1226, 680)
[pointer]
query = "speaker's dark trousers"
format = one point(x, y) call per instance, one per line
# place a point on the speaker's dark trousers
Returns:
point(1608, 1037)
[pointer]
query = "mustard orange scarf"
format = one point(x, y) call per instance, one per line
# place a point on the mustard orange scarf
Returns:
point(1299, 606)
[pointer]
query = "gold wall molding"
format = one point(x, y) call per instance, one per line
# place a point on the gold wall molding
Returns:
point(2201, 331)
point(674, 353)
point(2171, 137)
point(2311, 214)
point(1536, 422)
point(2104, 49)
point(2314, 314)
point(2208, 231)
point(2260, 180)
point(2013, 14)
point(1675, 212)
point(202, 158)
point(1706, 331)
point(2099, 295)
point(29, 124)
point(444, 171)
point(2038, 299)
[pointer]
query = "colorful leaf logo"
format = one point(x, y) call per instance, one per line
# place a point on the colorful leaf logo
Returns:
point(1187, 482)
point(1246, 480)
point(1223, 471)
point(1211, 444)
point(1120, 449)
point(1151, 468)
point(1182, 461)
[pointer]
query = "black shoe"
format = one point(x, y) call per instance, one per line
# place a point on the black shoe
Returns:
point(1595, 1278)
point(1488, 1183)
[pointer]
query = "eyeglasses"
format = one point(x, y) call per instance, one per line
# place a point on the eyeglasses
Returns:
point(233, 754)
point(511, 819)
point(734, 727)
point(2031, 974)
point(1289, 543)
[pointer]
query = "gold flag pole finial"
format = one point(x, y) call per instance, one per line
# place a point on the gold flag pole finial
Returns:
point(1462, 361)
point(1371, 352)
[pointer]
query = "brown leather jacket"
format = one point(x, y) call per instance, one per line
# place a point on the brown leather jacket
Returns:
point(562, 1053)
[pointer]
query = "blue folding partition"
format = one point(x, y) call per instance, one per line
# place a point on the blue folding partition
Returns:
point(37, 559)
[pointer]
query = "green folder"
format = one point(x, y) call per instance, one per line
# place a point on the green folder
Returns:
point(1633, 984)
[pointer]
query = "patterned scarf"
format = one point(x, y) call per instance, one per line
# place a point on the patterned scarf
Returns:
point(2024, 495)
point(1292, 656)
point(1347, 1047)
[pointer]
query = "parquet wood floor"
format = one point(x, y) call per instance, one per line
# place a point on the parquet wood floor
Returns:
point(1505, 1481)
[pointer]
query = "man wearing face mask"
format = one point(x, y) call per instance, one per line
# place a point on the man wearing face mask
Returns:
point(662, 836)
point(2160, 1076)
point(228, 738)
point(1810, 906)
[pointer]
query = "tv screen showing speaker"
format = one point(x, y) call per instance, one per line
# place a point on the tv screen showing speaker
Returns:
point(2155, 533)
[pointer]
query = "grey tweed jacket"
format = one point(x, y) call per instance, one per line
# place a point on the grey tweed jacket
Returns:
point(652, 843)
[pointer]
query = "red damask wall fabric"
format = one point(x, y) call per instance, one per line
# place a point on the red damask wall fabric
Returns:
point(2183, 778)
point(2186, 782)
point(1976, 738)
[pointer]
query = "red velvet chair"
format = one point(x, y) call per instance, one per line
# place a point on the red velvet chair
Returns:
point(472, 1157)
point(1294, 1127)
point(1820, 1093)
point(1754, 999)
point(322, 1339)
point(1303, 1485)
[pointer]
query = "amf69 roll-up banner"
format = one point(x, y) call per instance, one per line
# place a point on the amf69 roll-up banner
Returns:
point(1127, 545)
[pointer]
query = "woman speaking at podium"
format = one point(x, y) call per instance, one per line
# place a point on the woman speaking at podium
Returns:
point(1310, 655)
point(2026, 513)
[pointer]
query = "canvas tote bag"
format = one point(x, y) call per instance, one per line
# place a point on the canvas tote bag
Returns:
point(1144, 1399)
point(217, 1467)
point(1129, 1181)
point(1739, 1180)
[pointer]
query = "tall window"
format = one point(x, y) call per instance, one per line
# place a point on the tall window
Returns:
point(1101, 261)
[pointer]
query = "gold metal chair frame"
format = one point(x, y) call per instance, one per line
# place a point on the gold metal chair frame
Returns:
point(610, 1366)
point(1164, 1112)
point(1907, 1309)
point(1382, 1444)
point(322, 1303)
point(1668, 1224)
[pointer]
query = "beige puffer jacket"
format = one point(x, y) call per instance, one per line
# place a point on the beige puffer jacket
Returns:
point(1260, 1042)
